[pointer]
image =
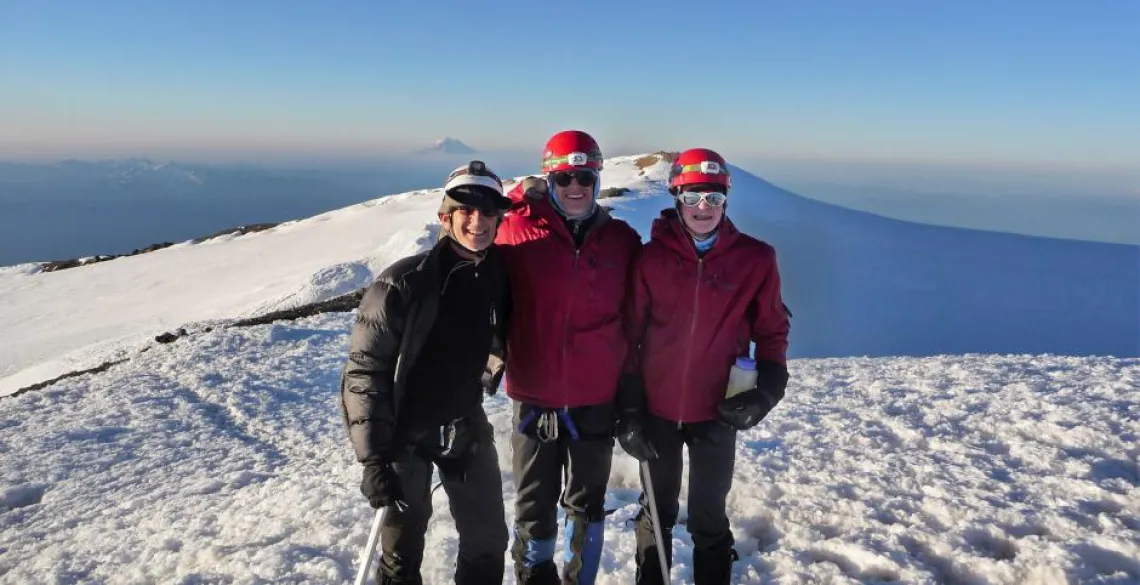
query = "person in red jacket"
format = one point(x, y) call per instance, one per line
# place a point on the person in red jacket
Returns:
point(703, 292)
point(569, 264)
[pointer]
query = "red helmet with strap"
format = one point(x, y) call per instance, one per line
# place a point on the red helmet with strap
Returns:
point(696, 166)
point(571, 150)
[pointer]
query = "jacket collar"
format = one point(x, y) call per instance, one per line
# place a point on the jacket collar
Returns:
point(669, 230)
point(541, 208)
point(545, 210)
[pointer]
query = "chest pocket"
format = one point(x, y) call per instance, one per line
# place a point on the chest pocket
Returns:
point(720, 283)
point(605, 277)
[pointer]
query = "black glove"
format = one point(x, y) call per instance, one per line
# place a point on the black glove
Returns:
point(631, 436)
point(630, 424)
point(382, 487)
point(492, 378)
point(534, 188)
point(745, 410)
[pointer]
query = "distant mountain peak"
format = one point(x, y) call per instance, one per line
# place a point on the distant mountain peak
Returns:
point(449, 145)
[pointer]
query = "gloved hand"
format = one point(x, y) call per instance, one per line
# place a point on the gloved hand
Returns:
point(535, 188)
point(745, 410)
point(381, 486)
point(492, 375)
point(631, 436)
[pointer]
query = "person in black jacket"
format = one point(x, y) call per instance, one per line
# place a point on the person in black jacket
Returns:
point(427, 344)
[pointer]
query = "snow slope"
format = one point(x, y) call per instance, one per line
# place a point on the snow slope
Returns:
point(221, 459)
point(858, 284)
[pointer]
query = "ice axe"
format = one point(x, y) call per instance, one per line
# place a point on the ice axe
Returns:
point(366, 557)
point(373, 539)
point(665, 577)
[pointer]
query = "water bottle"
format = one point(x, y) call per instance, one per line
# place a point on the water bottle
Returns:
point(741, 377)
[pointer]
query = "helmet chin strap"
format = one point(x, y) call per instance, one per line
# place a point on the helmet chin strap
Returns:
point(457, 244)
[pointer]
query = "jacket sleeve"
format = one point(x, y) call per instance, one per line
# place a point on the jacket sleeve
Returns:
point(367, 388)
point(497, 360)
point(631, 388)
point(636, 310)
point(770, 328)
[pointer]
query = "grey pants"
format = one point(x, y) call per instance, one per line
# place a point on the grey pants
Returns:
point(712, 457)
point(474, 489)
point(540, 460)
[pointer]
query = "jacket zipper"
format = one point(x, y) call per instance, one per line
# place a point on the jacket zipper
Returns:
point(689, 346)
point(566, 321)
point(566, 334)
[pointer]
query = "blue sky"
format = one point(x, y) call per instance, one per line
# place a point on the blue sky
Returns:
point(1029, 84)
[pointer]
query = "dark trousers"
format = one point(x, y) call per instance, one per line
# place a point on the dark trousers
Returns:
point(712, 457)
point(540, 459)
point(474, 489)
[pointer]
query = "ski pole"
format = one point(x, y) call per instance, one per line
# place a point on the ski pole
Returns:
point(366, 557)
point(665, 577)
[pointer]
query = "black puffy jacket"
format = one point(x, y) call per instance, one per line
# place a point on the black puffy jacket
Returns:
point(392, 324)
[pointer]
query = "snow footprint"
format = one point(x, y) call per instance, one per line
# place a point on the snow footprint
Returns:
point(856, 561)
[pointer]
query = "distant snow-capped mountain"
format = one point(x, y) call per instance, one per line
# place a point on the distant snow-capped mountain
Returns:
point(448, 145)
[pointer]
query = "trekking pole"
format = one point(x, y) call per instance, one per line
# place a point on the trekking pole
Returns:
point(665, 577)
point(370, 548)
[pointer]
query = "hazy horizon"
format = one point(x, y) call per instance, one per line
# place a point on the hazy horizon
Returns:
point(51, 214)
point(1029, 85)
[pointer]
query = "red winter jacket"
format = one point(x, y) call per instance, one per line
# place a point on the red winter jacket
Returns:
point(692, 317)
point(566, 345)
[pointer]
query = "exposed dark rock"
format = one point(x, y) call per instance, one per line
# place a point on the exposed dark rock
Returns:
point(150, 248)
point(73, 263)
point(41, 385)
point(240, 230)
point(57, 265)
point(609, 192)
point(652, 159)
point(170, 337)
point(341, 304)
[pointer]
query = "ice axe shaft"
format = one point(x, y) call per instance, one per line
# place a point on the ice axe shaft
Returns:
point(366, 556)
point(661, 544)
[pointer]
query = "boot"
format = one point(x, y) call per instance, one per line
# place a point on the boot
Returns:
point(713, 567)
point(534, 562)
point(544, 573)
point(382, 579)
point(482, 571)
point(648, 566)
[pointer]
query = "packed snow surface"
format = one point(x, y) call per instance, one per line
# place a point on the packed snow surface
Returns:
point(222, 459)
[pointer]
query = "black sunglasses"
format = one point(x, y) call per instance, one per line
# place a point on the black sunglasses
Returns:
point(584, 178)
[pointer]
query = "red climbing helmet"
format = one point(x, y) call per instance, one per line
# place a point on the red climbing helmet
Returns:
point(571, 150)
point(699, 166)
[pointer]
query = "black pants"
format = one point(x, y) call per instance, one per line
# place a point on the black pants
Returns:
point(712, 457)
point(474, 489)
point(541, 454)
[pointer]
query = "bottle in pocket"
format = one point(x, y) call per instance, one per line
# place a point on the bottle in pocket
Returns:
point(741, 377)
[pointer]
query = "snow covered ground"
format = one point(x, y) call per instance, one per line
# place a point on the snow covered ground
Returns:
point(1003, 450)
point(221, 459)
